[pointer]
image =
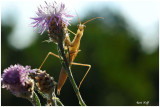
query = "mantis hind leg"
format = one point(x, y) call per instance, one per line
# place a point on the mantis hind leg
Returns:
point(50, 53)
point(85, 73)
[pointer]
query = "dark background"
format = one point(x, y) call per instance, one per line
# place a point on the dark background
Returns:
point(121, 72)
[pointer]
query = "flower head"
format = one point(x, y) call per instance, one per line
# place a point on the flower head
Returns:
point(45, 84)
point(49, 14)
point(15, 78)
point(44, 81)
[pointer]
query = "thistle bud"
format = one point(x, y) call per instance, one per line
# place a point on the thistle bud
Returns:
point(44, 82)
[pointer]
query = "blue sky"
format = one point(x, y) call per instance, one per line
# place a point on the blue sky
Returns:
point(143, 16)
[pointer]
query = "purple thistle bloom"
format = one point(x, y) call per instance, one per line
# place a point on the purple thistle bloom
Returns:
point(15, 78)
point(50, 12)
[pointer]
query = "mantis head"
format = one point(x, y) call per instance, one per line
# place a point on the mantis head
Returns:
point(82, 26)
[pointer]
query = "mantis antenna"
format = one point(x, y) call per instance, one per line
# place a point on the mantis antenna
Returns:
point(92, 19)
point(78, 17)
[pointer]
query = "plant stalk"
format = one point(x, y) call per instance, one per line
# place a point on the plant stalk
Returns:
point(68, 71)
point(35, 100)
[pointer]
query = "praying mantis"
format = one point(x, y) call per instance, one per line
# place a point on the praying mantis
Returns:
point(71, 55)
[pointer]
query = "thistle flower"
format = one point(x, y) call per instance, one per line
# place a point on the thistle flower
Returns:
point(53, 16)
point(15, 78)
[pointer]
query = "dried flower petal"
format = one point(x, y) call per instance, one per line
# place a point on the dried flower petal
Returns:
point(44, 81)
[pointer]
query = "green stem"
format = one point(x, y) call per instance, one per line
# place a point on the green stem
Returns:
point(35, 100)
point(68, 71)
point(54, 102)
point(58, 101)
